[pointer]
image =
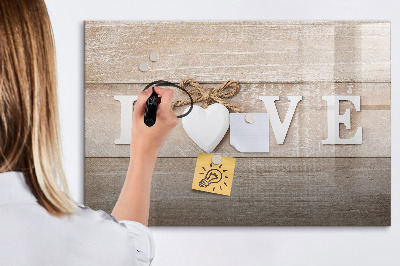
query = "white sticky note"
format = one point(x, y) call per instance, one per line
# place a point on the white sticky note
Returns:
point(249, 137)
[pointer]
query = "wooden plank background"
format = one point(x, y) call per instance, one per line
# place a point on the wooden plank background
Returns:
point(301, 182)
point(265, 191)
point(249, 51)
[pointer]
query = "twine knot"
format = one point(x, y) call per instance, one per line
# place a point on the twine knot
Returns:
point(210, 96)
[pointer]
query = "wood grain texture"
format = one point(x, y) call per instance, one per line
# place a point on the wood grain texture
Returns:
point(265, 191)
point(301, 182)
point(304, 138)
point(248, 51)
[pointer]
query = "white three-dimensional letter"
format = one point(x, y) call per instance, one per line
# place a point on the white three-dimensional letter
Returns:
point(280, 129)
point(126, 118)
point(334, 119)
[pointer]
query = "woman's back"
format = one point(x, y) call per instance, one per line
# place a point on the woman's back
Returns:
point(32, 236)
point(40, 223)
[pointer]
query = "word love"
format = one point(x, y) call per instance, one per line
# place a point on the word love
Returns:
point(280, 128)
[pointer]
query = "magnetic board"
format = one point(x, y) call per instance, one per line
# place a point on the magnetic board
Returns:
point(299, 182)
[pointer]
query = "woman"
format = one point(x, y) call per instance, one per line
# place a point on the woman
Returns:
point(40, 224)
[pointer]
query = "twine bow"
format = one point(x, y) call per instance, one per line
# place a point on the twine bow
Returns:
point(210, 96)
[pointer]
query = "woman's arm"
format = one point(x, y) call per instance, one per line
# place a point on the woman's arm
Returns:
point(134, 201)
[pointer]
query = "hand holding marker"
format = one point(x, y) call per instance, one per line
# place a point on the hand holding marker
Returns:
point(153, 117)
point(153, 101)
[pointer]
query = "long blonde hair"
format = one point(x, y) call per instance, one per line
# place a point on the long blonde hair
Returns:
point(29, 119)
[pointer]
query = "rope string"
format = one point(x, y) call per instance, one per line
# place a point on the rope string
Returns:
point(210, 96)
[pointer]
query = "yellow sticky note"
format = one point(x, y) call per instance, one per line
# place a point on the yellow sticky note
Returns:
point(214, 178)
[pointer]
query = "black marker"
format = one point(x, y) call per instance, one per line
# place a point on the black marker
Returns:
point(151, 109)
point(153, 101)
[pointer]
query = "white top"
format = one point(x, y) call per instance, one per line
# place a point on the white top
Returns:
point(29, 235)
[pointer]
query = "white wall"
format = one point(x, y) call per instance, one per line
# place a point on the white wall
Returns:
point(230, 245)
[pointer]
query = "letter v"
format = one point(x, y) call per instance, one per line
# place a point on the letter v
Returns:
point(280, 129)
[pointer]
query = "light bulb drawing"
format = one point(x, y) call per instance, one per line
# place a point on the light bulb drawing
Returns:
point(213, 176)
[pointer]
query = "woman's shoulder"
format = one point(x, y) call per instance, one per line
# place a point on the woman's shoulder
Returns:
point(137, 235)
point(88, 214)
point(91, 237)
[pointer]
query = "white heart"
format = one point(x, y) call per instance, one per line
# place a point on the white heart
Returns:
point(206, 127)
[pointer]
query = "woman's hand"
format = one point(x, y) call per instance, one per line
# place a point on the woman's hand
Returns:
point(146, 139)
